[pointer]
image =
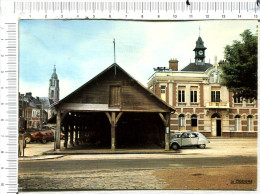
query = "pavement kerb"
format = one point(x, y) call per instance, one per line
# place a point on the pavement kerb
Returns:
point(43, 157)
point(77, 152)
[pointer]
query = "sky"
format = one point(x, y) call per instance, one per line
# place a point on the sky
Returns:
point(81, 49)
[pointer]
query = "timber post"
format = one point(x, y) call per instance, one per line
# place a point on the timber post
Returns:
point(77, 135)
point(166, 122)
point(113, 119)
point(71, 135)
point(58, 126)
point(113, 131)
point(66, 130)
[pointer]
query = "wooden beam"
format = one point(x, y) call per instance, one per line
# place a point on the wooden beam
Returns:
point(87, 107)
point(66, 127)
point(57, 132)
point(63, 116)
point(108, 116)
point(71, 134)
point(113, 131)
point(167, 132)
point(118, 116)
point(163, 119)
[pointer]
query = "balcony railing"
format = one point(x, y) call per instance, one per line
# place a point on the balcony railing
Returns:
point(217, 105)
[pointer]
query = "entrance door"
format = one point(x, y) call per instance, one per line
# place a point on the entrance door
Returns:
point(218, 127)
point(215, 125)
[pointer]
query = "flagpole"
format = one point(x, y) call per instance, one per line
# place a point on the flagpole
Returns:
point(115, 55)
point(114, 51)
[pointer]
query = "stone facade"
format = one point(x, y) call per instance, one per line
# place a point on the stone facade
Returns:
point(202, 104)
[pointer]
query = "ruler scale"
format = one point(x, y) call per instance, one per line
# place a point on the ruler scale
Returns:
point(8, 108)
point(135, 6)
point(129, 10)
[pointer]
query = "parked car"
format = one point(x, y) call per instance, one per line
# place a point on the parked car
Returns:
point(62, 136)
point(27, 137)
point(188, 138)
point(44, 137)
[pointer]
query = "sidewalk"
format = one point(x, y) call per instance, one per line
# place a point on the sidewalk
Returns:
point(216, 147)
point(44, 157)
point(108, 151)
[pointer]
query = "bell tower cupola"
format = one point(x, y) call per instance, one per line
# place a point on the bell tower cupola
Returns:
point(54, 89)
point(199, 52)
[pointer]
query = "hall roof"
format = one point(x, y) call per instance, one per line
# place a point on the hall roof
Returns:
point(95, 94)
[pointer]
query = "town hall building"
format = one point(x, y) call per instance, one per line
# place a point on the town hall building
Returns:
point(202, 103)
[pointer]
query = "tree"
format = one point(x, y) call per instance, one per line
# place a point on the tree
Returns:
point(240, 67)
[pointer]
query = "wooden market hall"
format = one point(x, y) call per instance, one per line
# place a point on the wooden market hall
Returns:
point(113, 111)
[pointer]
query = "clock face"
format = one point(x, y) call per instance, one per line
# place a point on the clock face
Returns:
point(200, 52)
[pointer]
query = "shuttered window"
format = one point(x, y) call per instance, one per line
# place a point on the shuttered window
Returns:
point(115, 96)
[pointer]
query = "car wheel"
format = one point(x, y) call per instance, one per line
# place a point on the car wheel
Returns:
point(175, 146)
point(44, 141)
point(27, 139)
point(202, 146)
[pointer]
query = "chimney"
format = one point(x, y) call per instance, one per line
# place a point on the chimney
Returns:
point(173, 64)
point(28, 94)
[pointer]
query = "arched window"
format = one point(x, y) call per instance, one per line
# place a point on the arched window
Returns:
point(181, 122)
point(249, 123)
point(194, 122)
point(237, 123)
point(52, 93)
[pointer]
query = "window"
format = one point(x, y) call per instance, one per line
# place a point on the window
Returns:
point(181, 122)
point(52, 93)
point(181, 94)
point(215, 96)
point(193, 94)
point(249, 123)
point(115, 96)
point(237, 99)
point(163, 92)
point(250, 101)
point(194, 122)
point(237, 123)
point(193, 135)
point(163, 89)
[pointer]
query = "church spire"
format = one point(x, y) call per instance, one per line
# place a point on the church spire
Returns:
point(54, 89)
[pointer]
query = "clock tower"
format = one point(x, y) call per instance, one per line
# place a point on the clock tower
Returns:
point(199, 52)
